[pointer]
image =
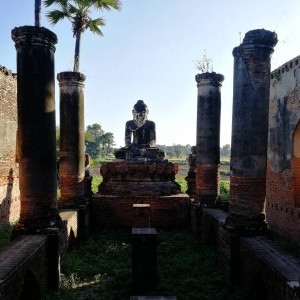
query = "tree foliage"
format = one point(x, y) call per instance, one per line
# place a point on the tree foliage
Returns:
point(184, 150)
point(178, 153)
point(98, 142)
point(170, 154)
point(225, 150)
point(78, 12)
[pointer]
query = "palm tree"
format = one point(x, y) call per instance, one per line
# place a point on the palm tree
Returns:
point(107, 142)
point(78, 12)
point(37, 13)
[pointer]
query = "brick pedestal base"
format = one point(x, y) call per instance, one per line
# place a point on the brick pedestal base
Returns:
point(117, 211)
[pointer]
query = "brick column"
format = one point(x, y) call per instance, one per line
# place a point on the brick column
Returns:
point(36, 125)
point(71, 155)
point(250, 131)
point(208, 137)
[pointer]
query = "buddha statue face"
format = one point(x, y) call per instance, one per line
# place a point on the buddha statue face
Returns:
point(140, 112)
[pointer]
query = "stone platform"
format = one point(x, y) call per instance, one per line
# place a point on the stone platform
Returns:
point(130, 182)
point(139, 178)
point(111, 211)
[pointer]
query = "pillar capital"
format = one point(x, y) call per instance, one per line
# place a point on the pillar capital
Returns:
point(71, 78)
point(209, 79)
point(25, 36)
point(257, 39)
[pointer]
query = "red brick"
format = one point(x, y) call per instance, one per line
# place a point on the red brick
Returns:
point(207, 181)
point(109, 211)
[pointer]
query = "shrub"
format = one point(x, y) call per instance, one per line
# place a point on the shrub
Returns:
point(183, 184)
point(224, 190)
point(95, 183)
point(225, 172)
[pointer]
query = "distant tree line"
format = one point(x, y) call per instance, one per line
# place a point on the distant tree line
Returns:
point(98, 142)
point(176, 151)
point(225, 150)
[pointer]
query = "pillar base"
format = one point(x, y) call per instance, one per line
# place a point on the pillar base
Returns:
point(207, 184)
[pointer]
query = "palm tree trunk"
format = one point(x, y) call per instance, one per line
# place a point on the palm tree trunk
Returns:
point(77, 52)
point(37, 13)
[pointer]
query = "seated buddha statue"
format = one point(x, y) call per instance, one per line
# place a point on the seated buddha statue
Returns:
point(140, 136)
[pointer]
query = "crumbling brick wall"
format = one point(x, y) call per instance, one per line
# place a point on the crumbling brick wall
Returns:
point(283, 174)
point(9, 173)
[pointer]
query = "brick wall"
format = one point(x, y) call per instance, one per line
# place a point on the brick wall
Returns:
point(256, 263)
point(116, 211)
point(283, 183)
point(9, 173)
point(23, 268)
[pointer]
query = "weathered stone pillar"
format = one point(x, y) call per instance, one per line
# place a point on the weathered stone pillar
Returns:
point(36, 125)
point(250, 131)
point(72, 154)
point(208, 137)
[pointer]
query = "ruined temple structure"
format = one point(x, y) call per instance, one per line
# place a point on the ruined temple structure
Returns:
point(139, 175)
point(139, 189)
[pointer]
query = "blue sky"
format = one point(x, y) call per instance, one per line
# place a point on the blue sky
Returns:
point(148, 52)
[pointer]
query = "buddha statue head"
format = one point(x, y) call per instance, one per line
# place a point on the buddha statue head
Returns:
point(140, 112)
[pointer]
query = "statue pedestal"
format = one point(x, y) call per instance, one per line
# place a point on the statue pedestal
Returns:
point(138, 178)
point(126, 183)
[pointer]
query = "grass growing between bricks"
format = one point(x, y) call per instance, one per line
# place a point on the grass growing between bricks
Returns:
point(101, 269)
point(5, 234)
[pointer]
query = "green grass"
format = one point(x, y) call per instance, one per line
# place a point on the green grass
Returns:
point(224, 190)
point(225, 159)
point(179, 160)
point(101, 269)
point(94, 162)
point(225, 172)
point(5, 234)
point(95, 183)
point(183, 184)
